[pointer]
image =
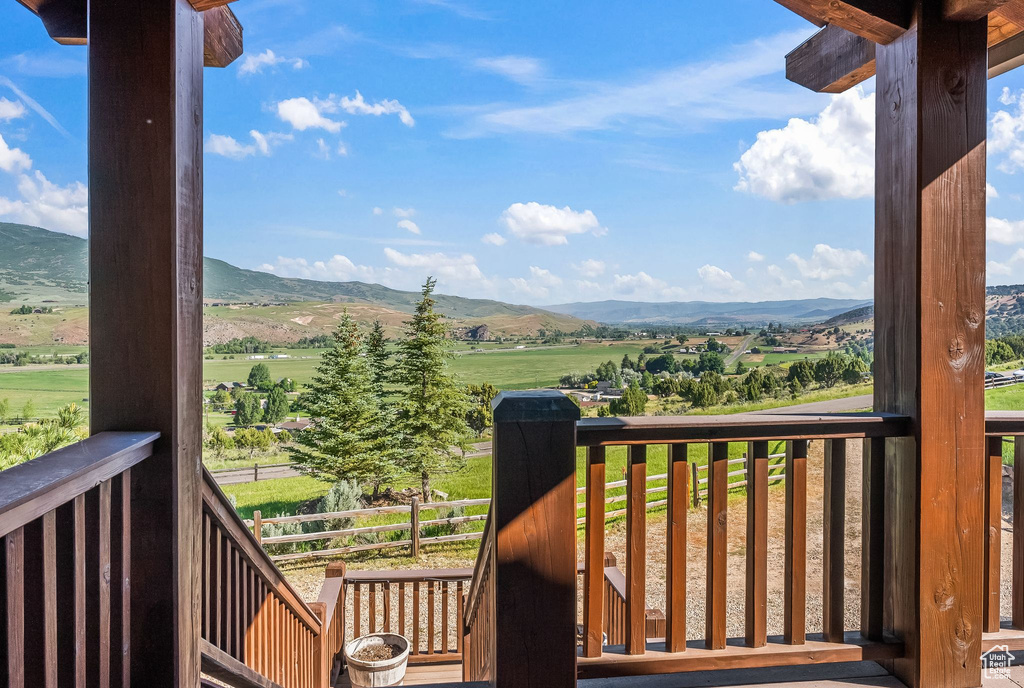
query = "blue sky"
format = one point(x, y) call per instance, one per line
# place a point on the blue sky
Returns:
point(532, 152)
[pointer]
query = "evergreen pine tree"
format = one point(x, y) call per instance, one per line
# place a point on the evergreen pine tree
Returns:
point(432, 408)
point(349, 438)
point(378, 357)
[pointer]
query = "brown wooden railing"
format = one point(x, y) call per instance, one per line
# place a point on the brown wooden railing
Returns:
point(65, 524)
point(1003, 427)
point(478, 619)
point(330, 609)
point(255, 627)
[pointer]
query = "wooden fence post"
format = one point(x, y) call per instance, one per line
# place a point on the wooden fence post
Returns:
point(257, 525)
point(414, 527)
point(695, 485)
point(533, 510)
point(255, 472)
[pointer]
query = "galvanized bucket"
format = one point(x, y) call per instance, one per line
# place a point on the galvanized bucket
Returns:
point(388, 672)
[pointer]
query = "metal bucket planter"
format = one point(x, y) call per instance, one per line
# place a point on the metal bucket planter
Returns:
point(388, 672)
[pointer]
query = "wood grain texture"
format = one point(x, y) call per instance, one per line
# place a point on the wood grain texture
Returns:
point(834, 541)
point(40, 573)
point(675, 548)
point(14, 597)
point(872, 563)
point(71, 591)
point(881, 21)
point(795, 566)
point(145, 246)
point(534, 519)
point(969, 10)
point(831, 61)
point(718, 505)
point(929, 280)
point(993, 532)
point(756, 607)
point(222, 31)
point(593, 574)
point(636, 549)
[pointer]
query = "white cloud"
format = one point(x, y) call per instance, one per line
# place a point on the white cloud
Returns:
point(1006, 132)
point(255, 64)
point(538, 285)
point(755, 257)
point(337, 268)
point(403, 212)
point(1006, 268)
point(1004, 231)
point(342, 149)
point(11, 109)
point(547, 225)
point(228, 147)
point(990, 192)
point(45, 204)
point(323, 150)
point(830, 156)
point(590, 267)
point(494, 239)
point(13, 159)
point(378, 211)
point(409, 225)
point(718, 280)
point(359, 106)
point(522, 70)
point(827, 263)
point(446, 268)
point(303, 114)
point(735, 87)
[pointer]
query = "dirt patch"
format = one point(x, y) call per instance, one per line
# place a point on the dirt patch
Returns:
point(377, 653)
point(303, 320)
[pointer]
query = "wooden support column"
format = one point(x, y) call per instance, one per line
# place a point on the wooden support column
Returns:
point(533, 510)
point(930, 339)
point(145, 315)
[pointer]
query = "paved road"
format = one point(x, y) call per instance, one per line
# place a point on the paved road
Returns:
point(246, 475)
point(738, 351)
point(858, 403)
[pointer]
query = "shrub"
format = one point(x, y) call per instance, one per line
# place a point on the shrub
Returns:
point(344, 495)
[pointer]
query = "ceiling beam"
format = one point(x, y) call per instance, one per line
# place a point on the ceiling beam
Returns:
point(834, 60)
point(969, 10)
point(66, 21)
point(222, 37)
point(831, 61)
point(881, 21)
point(1013, 11)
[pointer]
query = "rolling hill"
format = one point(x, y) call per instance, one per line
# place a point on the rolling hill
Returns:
point(701, 313)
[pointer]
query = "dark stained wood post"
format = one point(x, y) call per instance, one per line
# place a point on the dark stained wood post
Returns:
point(533, 508)
point(675, 549)
point(145, 314)
point(930, 338)
point(636, 550)
point(593, 572)
point(756, 612)
point(718, 509)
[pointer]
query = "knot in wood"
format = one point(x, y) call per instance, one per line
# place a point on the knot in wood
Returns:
point(722, 519)
point(974, 318)
point(956, 349)
point(943, 598)
point(954, 81)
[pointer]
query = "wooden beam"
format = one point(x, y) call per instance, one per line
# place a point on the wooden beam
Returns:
point(831, 61)
point(881, 21)
point(1012, 11)
point(222, 32)
point(66, 22)
point(835, 60)
point(145, 247)
point(930, 339)
point(969, 10)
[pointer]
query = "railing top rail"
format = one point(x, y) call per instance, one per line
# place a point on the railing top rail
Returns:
point(225, 513)
point(482, 560)
point(737, 427)
point(1004, 423)
point(408, 576)
point(36, 487)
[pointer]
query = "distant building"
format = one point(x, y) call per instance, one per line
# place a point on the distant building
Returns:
point(297, 425)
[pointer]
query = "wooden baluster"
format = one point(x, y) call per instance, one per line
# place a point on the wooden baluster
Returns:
point(636, 550)
point(120, 576)
point(756, 620)
point(237, 613)
point(1018, 534)
point(993, 532)
point(675, 549)
point(459, 616)
point(356, 613)
point(217, 586)
point(40, 570)
point(593, 571)
point(373, 608)
point(71, 592)
point(718, 502)
point(207, 631)
point(795, 583)
point(431, 629)
point(444, 617)
point(833, 541)
point(415, 618)
point(97, 577)
point(387, 607)
point(401, 609)
point(872, 565)
point(14, 582)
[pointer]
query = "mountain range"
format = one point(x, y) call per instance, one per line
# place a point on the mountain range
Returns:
point(710, 313)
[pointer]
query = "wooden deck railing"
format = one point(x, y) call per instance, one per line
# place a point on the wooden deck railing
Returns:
point(478, 618)
point(66, 565)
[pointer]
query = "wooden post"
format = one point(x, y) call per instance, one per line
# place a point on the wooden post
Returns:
point(414, 527)
point(717, 544)
point(533, 509)
point(255, 472)
point(930, 338)
point(145, 313)
point(675, 549)
point(695, 485)
point(594, 556)
point(756, 611)
point(257, 525)
point(636, 549)
point(321, 663)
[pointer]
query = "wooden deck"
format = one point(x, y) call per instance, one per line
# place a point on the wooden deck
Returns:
point(424, 675)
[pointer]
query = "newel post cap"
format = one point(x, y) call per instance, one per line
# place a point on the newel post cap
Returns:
point(538, 405)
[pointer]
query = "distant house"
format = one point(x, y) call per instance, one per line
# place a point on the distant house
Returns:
point(295, 425)
point(224, 386)
point(238, 385)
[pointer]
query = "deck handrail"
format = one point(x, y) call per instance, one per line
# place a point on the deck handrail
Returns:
point(36, 487)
